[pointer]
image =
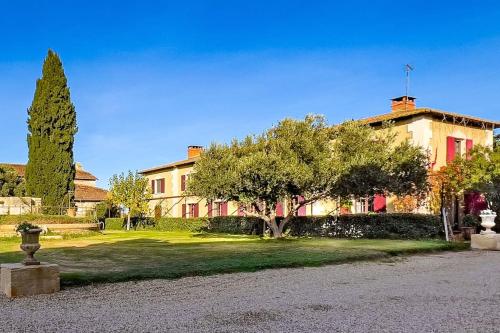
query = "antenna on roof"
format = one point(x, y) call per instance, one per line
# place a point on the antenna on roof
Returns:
point(408, 69)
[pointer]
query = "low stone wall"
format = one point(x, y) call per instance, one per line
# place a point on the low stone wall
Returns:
point(19, 205)
point(10, 229)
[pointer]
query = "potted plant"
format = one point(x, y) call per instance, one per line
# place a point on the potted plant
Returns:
point(487, 221)
point(30, 235)
point(471, 222)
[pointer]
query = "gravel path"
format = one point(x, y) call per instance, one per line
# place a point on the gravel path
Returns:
point(449, 292)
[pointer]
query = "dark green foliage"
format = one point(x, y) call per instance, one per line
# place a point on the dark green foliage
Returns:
point(180, 224)
point(106, 210)
point(393, 226)
point(389, 226)
point(163, 224)
point(114, 223)
point(11, 184)
point(236, 225)
point(43, 219)
point(51, 129)
point(471, 220)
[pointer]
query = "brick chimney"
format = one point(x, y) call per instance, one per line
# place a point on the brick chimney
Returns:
point(403, 103)
point(194, 151)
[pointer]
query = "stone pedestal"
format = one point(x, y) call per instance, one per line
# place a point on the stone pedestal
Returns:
point(485, 242)
point(18, 280)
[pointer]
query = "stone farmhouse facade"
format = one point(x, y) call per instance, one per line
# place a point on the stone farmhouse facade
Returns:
point(87, 194)
point(442, 134)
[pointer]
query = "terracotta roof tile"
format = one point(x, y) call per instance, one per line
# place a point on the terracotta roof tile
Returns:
point(438, 114)
point(80, 174)
point(171, 165)
point(89, 193)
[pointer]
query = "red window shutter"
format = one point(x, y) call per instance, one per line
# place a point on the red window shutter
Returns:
point(196, 210)
point(379, 203)
point(450, 149)
point(162, 185)
point(223, 208)
point(153, 186)
point(468, 147)
point(240, 210)
point(183, 182)
point(209, 207)
point(302, 210)
point(279, 209)
point(183, 210)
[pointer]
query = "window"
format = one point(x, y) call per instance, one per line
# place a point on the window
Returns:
point(193, 210)
point(184, 179)
point(363, 205)
point(458, 147)
point(217, 208)
point(158, 186)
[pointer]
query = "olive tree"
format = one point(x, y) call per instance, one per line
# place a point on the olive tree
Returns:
point(131, 192)
point(306, 159)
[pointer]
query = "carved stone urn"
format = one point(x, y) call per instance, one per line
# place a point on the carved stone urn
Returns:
point(30, 244)
point(487, 221)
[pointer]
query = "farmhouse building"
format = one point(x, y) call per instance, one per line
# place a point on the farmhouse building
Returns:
point(443, 135)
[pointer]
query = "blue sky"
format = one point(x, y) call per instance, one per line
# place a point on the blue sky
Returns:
point(149, 78)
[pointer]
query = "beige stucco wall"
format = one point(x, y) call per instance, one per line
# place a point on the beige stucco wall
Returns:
point(423, 131)
point(85, 182)
point(19, 206)
point(440, 132)
point(172, 200)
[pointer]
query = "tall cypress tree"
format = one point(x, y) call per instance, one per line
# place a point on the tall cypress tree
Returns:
point(51, 131)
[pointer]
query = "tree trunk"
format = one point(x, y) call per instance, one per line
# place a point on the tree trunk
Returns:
point(128, 221)
point(275, 229)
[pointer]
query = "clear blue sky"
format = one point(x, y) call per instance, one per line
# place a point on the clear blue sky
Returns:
point(149, 78)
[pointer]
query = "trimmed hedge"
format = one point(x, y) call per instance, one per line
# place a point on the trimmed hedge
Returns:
point(163, 224)
point(180, 224)
point(236, 225)
point(44, 219)
point(114, 223)
point(392, 226)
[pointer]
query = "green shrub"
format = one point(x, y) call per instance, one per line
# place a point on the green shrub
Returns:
point(44, 219)
point(471, 220)
point(180, 224)
point(106, 210)
point(114, 223)
point(236, 225)
point(396, 226)
point(392, 226)
point(162, 224)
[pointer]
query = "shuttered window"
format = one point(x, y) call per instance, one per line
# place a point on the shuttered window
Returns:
point(158, 186)
point(450, 149)
point(183, 182)
point(209, 208)
point(468, 146)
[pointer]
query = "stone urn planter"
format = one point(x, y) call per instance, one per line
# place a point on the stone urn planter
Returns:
point(487, 221)
point(30, 243)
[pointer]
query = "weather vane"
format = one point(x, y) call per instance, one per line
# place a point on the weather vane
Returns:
point(408, 69)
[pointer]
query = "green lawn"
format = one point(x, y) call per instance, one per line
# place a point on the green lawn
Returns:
point(120, 256)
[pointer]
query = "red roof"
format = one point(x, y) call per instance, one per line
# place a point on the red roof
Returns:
point(189, 161)
point(21, 171)
point(89, 193)
point(437, 114)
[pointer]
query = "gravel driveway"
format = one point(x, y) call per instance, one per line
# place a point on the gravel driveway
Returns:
point(449, 292)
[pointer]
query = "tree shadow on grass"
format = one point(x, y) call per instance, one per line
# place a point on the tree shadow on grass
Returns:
point(149, 258)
